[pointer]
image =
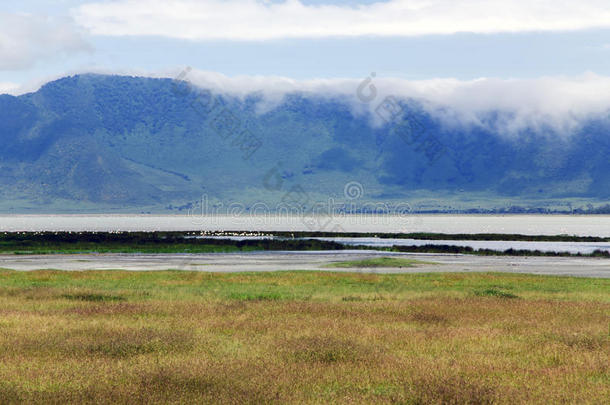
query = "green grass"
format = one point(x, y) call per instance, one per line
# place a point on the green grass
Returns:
point(302, 337)
point(379, 262)
point(300, 285)
point(258, 296)
point(494, 292)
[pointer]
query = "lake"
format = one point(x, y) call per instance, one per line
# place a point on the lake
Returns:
point(499, 245)
point(580, 225)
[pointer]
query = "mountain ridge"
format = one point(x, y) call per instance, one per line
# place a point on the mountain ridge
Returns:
point(100, 143)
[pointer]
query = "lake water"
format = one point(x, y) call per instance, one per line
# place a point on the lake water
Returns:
point(581, 225)
point(499, 245)
point(572, 247)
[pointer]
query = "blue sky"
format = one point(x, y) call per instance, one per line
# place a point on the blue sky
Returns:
point(306, 39)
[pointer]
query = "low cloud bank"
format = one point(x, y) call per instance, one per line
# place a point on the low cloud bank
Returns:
point(559, 105)
point(555, 104)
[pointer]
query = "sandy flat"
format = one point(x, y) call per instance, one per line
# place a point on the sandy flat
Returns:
point(275, 261)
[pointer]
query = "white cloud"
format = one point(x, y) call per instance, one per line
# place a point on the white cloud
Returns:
point(26, 39)
point(9, 88)
point(259, 20)
point(562, 104)
point(558, 103)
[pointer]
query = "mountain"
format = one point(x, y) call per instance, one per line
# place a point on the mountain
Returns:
point(96, 143)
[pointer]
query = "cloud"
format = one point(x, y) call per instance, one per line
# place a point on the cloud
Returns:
point(261, 20)
point(26, 39)
point(505, 106)
point(9, 88)
point(558, 104)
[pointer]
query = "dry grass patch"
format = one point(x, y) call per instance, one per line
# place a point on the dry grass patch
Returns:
point(325, 349)
point(118, 309)
point(452, 389)
point(583, 341)
point(215, 382)
point(102, 340)
point(429, 318)
point(93, 297)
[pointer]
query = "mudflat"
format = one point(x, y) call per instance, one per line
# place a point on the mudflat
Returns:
point(277, 261)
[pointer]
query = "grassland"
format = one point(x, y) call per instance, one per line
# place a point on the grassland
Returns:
point(306, 337)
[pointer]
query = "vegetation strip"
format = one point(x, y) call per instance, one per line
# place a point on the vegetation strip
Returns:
point(442, 236)
point(396, 262)
point(186, 242)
